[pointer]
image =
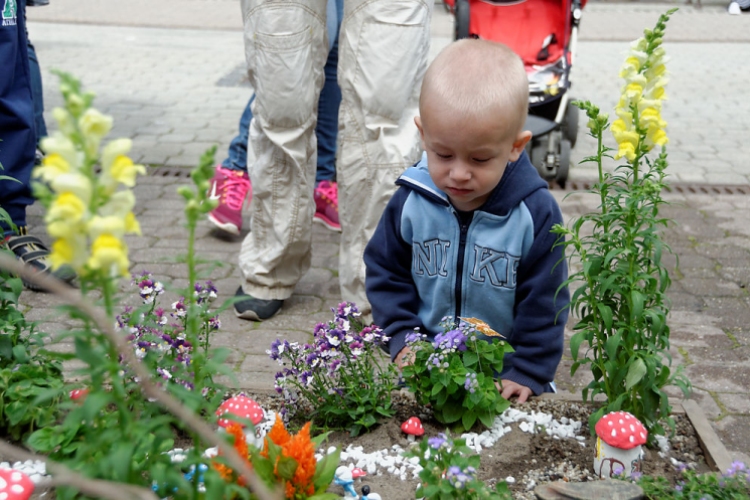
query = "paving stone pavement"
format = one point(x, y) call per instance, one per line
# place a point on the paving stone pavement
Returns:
point(171, 74)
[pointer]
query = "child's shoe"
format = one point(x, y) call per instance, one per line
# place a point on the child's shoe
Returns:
point(326, 197)
point(230, 187)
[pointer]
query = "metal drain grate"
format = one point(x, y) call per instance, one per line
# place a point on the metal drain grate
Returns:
point(682, 188)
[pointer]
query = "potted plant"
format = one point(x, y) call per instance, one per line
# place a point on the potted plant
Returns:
point(621, 283)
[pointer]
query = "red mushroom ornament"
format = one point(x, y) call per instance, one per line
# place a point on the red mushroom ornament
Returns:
point(413, 428)
point(15, 485)
point(619, 436)
point(242, 407)
point(77, 394)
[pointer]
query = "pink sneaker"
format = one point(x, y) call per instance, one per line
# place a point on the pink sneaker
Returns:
point(230, 187)
point(326, 197)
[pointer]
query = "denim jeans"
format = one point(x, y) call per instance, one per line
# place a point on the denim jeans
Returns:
point(326, 129)
point(36, 85)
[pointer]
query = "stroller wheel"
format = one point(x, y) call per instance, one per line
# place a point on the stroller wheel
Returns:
point(564, 166)
point(462, 19)
point(570, 124)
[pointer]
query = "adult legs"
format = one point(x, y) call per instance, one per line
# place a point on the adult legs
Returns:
point(285, 48)
point(383, 49)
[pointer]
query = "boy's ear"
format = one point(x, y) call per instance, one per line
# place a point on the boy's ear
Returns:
point(519, 144)
point(418, 123)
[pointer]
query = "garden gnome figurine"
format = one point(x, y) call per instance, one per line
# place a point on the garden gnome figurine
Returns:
point(343, 477)
point(619, 436)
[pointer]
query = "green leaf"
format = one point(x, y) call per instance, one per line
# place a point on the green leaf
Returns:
point(286, 467)
point(612, 344)
point(606, 313)
point(575, 343)
point(325, 470)
point(468, 419)
point(635, 373)
point(20, 354)
point(451, 413)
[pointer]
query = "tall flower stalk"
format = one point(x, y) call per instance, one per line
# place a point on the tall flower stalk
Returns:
point(621, 301)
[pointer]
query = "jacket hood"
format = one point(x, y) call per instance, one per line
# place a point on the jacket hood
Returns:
point(519, 180)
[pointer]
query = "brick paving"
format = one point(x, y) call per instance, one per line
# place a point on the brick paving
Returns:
point(171, 74)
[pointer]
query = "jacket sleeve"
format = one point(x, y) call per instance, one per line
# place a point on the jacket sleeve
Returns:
point(540, 310)
point(388, 282)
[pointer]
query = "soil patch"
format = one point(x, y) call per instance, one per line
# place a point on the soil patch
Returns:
point(524, 459)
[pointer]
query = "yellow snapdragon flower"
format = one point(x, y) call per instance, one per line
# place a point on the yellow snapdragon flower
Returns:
point(66, 207)
point(94, 126)
point(70, 250)
point(52, 165)
point(109, 253)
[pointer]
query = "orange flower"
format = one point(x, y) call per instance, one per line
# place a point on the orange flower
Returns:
point(278, 435)
point(240, 444)
point(302, 450)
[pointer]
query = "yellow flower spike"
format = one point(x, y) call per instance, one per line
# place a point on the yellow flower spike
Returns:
point(655, 71)
point(627, 150)
point(650, 117)
point(75, 183)
point(618, 126)
point(52, 166)
point(94, 126)
point(111, 224)
point(119, 204)
point(64, 121)
point(132, 226)
point(69, 250)
point(657, 136)
point(625, 115)
point(59, 144)
point(64, 228)
point(113, 150)
point(109, 253)
point(633, 91)
point(124, 170)
point(66, 207)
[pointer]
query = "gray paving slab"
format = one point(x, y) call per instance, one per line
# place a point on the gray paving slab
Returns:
point(171, 74)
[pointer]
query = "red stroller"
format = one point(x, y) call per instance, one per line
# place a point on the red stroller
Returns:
point(544, 34)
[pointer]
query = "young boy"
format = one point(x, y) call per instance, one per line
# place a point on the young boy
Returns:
point(468, 232)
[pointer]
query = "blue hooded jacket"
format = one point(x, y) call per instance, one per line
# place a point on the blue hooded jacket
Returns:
point(423, 264)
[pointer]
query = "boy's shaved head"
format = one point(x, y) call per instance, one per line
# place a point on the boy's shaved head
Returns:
point(472, 77)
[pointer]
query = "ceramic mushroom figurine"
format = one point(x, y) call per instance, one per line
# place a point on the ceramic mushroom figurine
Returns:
point(242, 407)
point(15, 485)
point(619, 436)
point(412, 428)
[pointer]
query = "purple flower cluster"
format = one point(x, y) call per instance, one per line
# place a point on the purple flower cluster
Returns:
point(337, 348)
point(471, 383)
point(439, 441)
point(459, 477)
point(453, 340)
point(160, 333)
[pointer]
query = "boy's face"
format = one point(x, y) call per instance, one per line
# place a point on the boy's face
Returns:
point(467, 157)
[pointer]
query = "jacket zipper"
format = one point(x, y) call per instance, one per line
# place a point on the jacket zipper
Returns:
point(464, 229)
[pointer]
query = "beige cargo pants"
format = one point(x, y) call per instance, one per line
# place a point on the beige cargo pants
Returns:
point(383, 49)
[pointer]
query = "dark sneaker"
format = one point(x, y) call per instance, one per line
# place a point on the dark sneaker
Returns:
point(326, 197)
point(31, 251)
point(230, 188)
point(255, 309)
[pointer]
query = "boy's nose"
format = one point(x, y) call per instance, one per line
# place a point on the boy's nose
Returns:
point(460, 173)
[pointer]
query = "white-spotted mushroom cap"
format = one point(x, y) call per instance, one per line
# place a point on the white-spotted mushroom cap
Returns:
point(242, 407)
point(15, 485)
point(413, 427)
point(622, 430)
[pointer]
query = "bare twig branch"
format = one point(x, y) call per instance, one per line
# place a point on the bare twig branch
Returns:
point(105, 324)
point(96, 488)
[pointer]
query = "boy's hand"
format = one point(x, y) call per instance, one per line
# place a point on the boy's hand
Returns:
point(404, 357)
point(510, 389)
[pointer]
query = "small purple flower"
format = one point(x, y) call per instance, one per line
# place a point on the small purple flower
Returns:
point(735, 467)
point(436, 442)
point(414, 337)
point(618, 470)
point(278, 347)
point(306, 378)
point(179, 308)
point(636, 475)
